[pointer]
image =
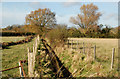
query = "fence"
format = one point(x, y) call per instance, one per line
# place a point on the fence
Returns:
point(21, 69)
point(22, 72)
point(31, 61)
point(76, 44)
point(31, 57)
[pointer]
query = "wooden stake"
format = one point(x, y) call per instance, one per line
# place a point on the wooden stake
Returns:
point(95, 52)
point(21, 75)
point(68, 43)
point(83, 48)
point(77, 45)
point(112, 61)
point(71, 44)
point(30, 63)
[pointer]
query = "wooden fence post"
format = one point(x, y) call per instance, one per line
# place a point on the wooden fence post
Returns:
point(30, 63)
point(83, 48)
point(38, 38)
point(20, 69)
point(34, 51)
point(71, 44)
point(31, 57)
point(77, 45)
point(33, 48)
point(68, 43)
point(112, 61)
point(95, 52)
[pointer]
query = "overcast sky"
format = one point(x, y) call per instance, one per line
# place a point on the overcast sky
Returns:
point(15, 12)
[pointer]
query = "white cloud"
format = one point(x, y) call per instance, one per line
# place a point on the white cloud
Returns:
point(68, 4)
point(36, 5)
point(64, 19)
point(111, 16)
point(109, 19)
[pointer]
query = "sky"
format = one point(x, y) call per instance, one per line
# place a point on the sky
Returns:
point(15, 12)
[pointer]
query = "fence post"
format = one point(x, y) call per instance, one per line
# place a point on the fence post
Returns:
point(95, 52)
point(112, 61)
point(38, 38)
point(30, 63)
point(71, 44)
point(34, 51)
point(77, 45)
point(20, 69)
point(68, 43)
point(33, 48)
point(83, 48)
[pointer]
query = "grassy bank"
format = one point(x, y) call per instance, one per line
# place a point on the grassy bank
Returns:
point(83, 65)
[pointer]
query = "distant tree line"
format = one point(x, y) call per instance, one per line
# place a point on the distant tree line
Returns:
point(43, 22)
point(105, 32)
point(100, 32)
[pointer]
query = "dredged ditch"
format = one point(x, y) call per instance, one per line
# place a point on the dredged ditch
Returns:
point(50, 63)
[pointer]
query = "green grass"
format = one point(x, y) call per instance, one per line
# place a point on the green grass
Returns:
point(11, 57)
point(9, 39)
point(73, 59)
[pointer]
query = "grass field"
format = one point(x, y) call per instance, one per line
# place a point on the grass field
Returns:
point(83, 65)
point(79, 64)
point(9, 39)
point(12, 55)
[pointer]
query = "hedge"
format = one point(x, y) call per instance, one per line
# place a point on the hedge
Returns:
point(16, 33)
point(6, 44)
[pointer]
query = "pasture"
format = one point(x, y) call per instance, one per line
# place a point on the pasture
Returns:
point(78, 63)
point(84, 65)
point(12, 55)
point(13, 39)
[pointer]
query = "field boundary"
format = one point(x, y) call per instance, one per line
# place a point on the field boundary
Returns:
point(6, 44)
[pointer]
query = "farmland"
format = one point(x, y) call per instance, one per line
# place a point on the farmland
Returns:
point(75, 60)
point(13, 38)
point(79, 64)
point(12, 55)
point(60, 42)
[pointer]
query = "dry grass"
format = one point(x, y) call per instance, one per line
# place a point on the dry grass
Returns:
point(85, 64)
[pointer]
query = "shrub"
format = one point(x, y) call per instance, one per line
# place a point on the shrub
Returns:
point(58, 35)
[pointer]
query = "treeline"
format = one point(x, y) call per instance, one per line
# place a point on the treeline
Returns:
point(60, 33)
point(100, 32)
point(44, 23)
point(16, 30)
point(105, 32)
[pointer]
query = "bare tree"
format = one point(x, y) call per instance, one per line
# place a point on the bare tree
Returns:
point(88, 17)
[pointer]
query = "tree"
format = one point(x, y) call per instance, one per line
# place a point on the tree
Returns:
point(74, 32)
point(41, 19)
point(58, 35)
point(88, 17)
